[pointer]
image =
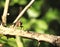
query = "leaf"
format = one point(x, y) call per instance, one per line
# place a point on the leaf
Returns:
point(51, 14)
point(3, 39)
point(40, 26)
point(11, 42)
point(22, 2)
point(32, 13)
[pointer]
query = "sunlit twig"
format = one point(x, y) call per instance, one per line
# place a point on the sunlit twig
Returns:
point(5, 12)
point(23, 11)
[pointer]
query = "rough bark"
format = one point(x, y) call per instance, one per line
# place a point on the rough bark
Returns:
point(38, 36)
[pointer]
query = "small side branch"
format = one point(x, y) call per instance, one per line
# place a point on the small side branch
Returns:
point(23, 11)
point(5, 12)
point(38, 36)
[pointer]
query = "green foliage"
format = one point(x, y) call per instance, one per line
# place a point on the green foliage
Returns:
point(33, 13)
point(41, 26)
point(3, 39)
point(2, 3)
point(21, 2)
point(51, 14)
point(12, 42)
point(12, 2)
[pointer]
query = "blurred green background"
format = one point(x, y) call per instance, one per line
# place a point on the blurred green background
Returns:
point(42, 17)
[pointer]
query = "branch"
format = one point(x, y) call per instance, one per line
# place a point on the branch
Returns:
point(5, 12)
point(23, 11)
point(38, 36)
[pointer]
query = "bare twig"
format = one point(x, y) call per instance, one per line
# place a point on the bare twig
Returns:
point(31, 2)
point(1, 45)
point(5, 12)
point(38, 36)
point(18, 41)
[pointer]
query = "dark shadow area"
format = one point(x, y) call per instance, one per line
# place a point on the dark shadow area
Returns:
point(46, 44)
point(13, 12)
point(55, 25)
point(54, 4)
